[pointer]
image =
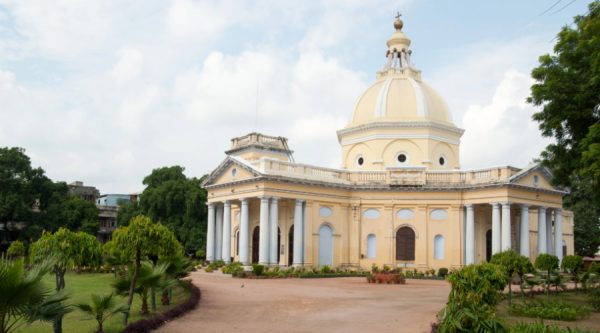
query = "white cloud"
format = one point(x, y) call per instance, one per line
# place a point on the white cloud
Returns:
point(129, 65)
point(502, 132)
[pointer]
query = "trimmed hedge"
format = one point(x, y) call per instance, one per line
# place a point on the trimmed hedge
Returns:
point(157, 320)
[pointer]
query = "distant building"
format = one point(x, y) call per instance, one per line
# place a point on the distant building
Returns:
point(107, 216)
point(113, 199)
point(88, 193)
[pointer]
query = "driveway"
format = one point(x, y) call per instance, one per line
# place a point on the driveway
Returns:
point(310, 305)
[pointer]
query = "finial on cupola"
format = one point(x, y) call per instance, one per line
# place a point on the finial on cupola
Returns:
point(398, 24)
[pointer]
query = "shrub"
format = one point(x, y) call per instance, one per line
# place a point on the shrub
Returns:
point(594, 298)
point(547, 263)
point(201, 253)
point(442, 272)
point(374, 268)
point(594, 268)
point(258, 269)
point(325, 269)
point(547, 309)
point(208, 269)
point(542, 328)
point(16, 250)
point(234, 268)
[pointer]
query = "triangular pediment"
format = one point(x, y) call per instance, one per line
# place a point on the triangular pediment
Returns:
point(534, 176)
point(231, 170)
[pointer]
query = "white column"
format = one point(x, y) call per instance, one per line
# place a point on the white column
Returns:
point(219, 233)
point(542, 231)
point(226, 252)
point(470, 236)
point(263, 242)
point(496, 237)
point(210, 233)
point(303, 252)
point(274, 223)
point(244, 233)
point(549, 238)
point(297, 260)
point(524, 234)
point(506, 241)
point(558, 234)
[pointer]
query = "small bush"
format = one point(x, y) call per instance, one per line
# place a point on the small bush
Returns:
point(594, 299)
point(208, 269)
point(325, 269)
point(442, 272)
point(258, 269)
point(234, 268)
point(594, 268)
point(16, 250)
point(542, 328)
point(374, 268)
point(545, 309)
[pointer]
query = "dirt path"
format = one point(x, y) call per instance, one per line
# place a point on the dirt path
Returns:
point(310, 305)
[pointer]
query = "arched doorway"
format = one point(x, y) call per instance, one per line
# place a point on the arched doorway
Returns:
point(405, 244)
point(291, 246)
point(255, 244)
point(237, 243)
point(488, 245)
point(278, 245)
point(325, 246)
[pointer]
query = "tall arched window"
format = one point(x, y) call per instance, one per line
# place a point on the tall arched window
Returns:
point(325, 246)
point(405, 244)
point(371, 246)
point(438, 247)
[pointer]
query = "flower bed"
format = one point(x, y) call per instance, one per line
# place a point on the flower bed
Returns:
point(386, 278)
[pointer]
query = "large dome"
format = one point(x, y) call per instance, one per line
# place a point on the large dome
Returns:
point(398, 97)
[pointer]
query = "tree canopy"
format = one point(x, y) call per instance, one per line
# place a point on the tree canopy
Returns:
point(177, 202)
point(566, 89)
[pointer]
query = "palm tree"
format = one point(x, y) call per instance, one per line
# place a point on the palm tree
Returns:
point(102, 308)
point(178, 268)
point(148, 277)
point(23, 296)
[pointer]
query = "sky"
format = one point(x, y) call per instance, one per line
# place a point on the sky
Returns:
point(105, 91)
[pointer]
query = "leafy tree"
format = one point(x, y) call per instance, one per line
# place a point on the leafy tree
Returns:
point(149, 277)
point(567, 85)
point(23, 297)
point(140, 240)
point(73, 213)
point(548, 263)
point(177, 202)
point(573, 265)
point(476, 290)
point(128, 211)
point(102, 308)
point(512, 263)
point(68, 250)
point(16, 250)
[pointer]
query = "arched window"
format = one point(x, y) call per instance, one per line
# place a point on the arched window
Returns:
point(325, 246)
point(405, 244)
point(438, 247)
point(371, 246)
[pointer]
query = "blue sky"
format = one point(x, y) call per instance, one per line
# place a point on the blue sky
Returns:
point(104, 91)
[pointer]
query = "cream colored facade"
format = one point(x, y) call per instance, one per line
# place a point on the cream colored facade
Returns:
point(399, 199)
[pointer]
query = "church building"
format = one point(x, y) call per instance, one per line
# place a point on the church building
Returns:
point(399, 198)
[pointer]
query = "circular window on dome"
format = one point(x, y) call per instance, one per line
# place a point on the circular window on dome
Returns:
point(360, 160)
point(442, 160)
point(402, 158)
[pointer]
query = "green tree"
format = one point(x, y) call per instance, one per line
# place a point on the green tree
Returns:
point(101, 308)
point(177, 202)
point(16, 250)
point(149, 277)
point(573, 265)
point(23, 296)
point(547, 263)
point(512, 263)
point(476, 290)
point(140, 240)
point(68, 250)
point(128, 211)
point(566, 87)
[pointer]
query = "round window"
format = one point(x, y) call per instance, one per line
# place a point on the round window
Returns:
point(442, 161)
point(401, 158)
point(233, 172)
point(360, 161)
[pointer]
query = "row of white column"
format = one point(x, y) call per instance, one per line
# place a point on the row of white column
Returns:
point(218, 240)
point(501, 231)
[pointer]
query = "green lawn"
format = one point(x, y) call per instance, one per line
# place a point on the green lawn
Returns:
point(80, 287)
point(592, 322)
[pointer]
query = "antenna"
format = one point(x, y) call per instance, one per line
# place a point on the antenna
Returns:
point(256, 109)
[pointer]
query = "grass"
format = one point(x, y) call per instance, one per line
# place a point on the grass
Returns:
point(80, 287)
point(591, 322)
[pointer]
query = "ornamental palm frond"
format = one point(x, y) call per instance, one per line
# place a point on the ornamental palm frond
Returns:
point(23, 296)
point(102, 308)
point(148, 277)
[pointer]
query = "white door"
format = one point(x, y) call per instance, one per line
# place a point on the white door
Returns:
point(325, 246)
